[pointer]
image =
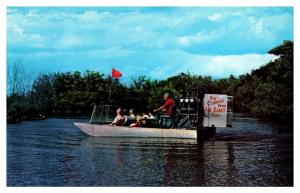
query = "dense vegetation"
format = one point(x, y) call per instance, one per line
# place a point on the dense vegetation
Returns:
point(267, 90)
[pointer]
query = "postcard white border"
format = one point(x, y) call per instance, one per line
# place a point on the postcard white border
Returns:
point(79, 3)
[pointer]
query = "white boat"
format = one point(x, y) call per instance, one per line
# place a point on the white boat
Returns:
point(188, 110)
point(121, 131)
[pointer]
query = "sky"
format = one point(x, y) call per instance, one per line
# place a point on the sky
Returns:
point(156, 42)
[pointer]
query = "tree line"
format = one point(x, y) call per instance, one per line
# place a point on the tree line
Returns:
point(266, 91)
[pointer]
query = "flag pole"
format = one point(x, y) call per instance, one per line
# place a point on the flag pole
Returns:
point(109, 93)
point(107, 107)
point(114, 74)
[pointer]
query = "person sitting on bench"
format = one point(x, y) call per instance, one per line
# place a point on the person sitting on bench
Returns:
point(131, 118)
point(119, 119)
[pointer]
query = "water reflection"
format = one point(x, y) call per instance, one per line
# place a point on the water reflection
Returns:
point(148, 162)
point(55, 153)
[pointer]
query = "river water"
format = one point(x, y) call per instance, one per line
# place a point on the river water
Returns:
point(53, 152)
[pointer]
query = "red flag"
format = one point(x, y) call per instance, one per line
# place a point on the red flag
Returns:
point(115, 73)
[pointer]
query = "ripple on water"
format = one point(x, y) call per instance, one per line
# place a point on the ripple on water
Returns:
point(53, 152)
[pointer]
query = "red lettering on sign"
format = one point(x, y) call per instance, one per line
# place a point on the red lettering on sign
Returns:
point(221, 105)
point(219, 110)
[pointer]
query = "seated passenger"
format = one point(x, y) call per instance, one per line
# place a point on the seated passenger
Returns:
point(137, 123)
point(141, 120)
point(131, 118)
point(145, 116)
point(119, 119)
point(151, 116)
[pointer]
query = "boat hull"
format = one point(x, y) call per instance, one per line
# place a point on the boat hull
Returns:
point(119, 131)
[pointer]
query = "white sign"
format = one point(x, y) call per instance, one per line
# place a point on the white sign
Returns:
point(215, 110)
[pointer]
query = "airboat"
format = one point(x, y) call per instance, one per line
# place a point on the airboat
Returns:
point(193, 115)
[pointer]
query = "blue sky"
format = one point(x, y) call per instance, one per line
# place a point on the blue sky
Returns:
point(157, 42)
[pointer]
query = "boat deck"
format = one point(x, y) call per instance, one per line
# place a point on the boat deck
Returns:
point(120, 131)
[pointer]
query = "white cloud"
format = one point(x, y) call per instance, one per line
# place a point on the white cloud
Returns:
point(16, 30)
point(160, 72)
point(256, 25)
point(114, 52)
point(215, 17)
point(216, 66)
point(18, 36)
point(33, 13)
point(68, 41)
point(198, 38)
point(224, 65)
point(184, 40)
point(93, 16)
point(143, 30)
point(156, 39)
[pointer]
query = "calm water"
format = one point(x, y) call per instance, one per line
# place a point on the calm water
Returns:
point(53, 152)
